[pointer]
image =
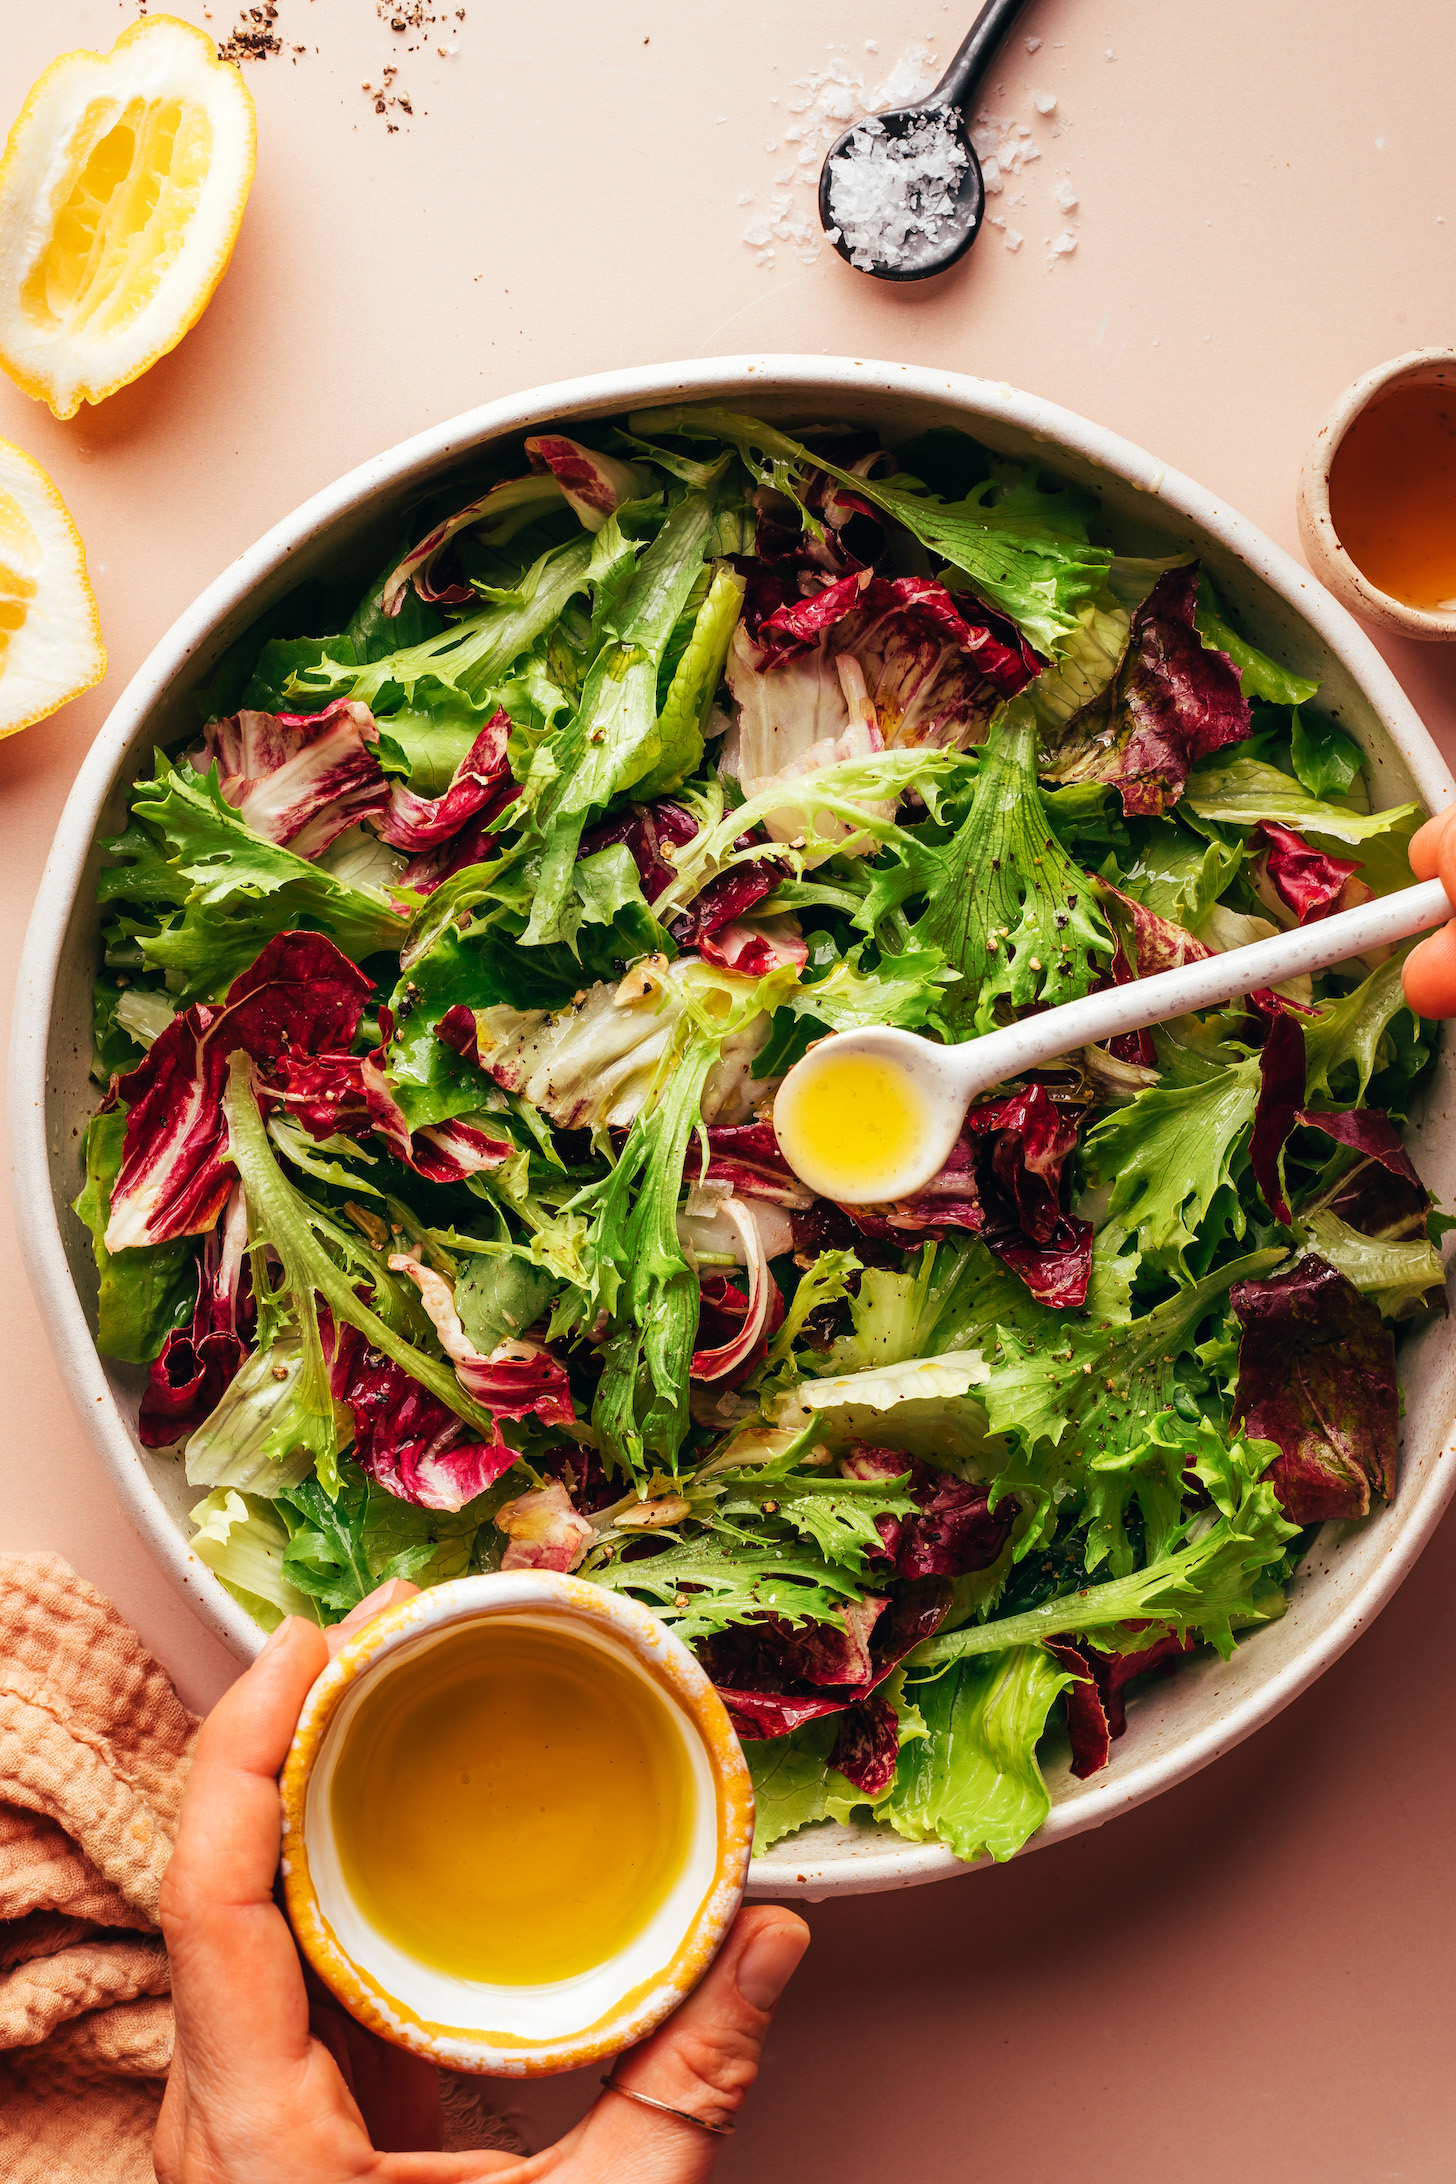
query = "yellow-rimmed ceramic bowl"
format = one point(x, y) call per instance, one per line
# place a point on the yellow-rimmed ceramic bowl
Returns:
point(563, 2024)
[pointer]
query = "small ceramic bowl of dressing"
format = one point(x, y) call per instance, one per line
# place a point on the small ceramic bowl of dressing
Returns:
point(1377, 496)
point(516, 1824)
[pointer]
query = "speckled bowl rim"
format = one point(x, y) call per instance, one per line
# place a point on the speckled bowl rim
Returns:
point(672, 1668)
point(1317, 533)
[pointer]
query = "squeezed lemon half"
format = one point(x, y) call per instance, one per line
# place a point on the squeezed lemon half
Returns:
point(50, 632)
point(121, 193)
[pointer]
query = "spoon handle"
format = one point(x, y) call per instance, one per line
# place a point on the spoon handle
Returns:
point(1108, 1015)
point(962, 80)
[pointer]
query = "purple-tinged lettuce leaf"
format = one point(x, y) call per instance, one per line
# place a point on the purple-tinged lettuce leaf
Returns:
point(1087, 1724)
point(1317, 1378)
point(1172, 704)
point(866, 1749)
point(1281, 1092)
point(1372, 1220)
point(773, 1677)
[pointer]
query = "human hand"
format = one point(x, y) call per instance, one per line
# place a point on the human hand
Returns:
point(261, 2094)
point(1429, 976)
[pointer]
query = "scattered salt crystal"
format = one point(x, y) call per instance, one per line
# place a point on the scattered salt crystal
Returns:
point(1033, 45)
point(1065, 243)
point(890, 194)
point(1031, 151)
point(757, 231)
point(784, 176)
point(720, 118)
point(1108, 54)
point(1045, 102)
point(991, 176)
point(872, 45)
point(770, 144)
point(1066, 197)
point(745, 197)
point(1014, 238)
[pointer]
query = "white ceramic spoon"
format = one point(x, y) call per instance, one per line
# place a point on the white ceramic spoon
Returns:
point(872, 1115)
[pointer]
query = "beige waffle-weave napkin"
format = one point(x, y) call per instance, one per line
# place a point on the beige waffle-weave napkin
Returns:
point(94, 1748)
point(94, 1751)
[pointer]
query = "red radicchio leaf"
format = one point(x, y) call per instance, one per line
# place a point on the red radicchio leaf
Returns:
point(1173, 701)
point(867, 1748)
point(481, 785)
point(595, 485)
point(955, 1531)
point(1281, 1088)
point(300, 996)
point(1087, 1724)
point(1306, 881)
point(647, 829)
point(350, 1093)
point(932, 675)
point(757, 1667)
point(405, 1437)
point(746, 1154)
point(1113, 1672)
point(1317, 1376)
point(1003, 1182)
point(188, 1381)
point(299, 779)
point(733, 1329)
point(727, 897)
point(458, 1028)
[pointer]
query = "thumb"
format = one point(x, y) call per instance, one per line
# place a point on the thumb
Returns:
point(702, 2063)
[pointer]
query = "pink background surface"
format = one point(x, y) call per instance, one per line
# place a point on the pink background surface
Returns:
point(1255, 1975)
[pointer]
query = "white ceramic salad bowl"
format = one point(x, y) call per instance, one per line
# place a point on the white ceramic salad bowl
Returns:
point(1176, 1726)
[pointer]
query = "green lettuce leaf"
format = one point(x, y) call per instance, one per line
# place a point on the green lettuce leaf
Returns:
point(1397, 1275)
point(1245, 791)
point(974, 1781)
point(1326, 761)
point(1010, 911)
point(1349, 1030)
point(237, 890)
point(473, 653)
point(1212, 1579)
point(1023, 547)
point(1259, 676)
point(1166, 1156)
point(244, 1542)
point(1122, 1393)
point(615, 739)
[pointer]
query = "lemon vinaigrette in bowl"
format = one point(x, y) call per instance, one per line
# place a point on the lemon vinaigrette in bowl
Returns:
point(510, 1809)
point(516, 1823)
point(1393, 494)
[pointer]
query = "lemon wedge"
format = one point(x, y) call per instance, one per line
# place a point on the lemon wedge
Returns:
point(50, 632)
point(121, 193)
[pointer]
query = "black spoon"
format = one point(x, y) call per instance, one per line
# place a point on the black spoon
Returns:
point(957, 227)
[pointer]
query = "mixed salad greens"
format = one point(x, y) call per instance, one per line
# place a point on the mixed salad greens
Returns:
point(448, 980)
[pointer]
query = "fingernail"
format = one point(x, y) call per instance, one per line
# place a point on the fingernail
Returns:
point(769, 1963)
point(275, 1638)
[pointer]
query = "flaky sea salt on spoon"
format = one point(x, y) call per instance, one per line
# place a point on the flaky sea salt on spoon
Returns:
point(901, 194)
